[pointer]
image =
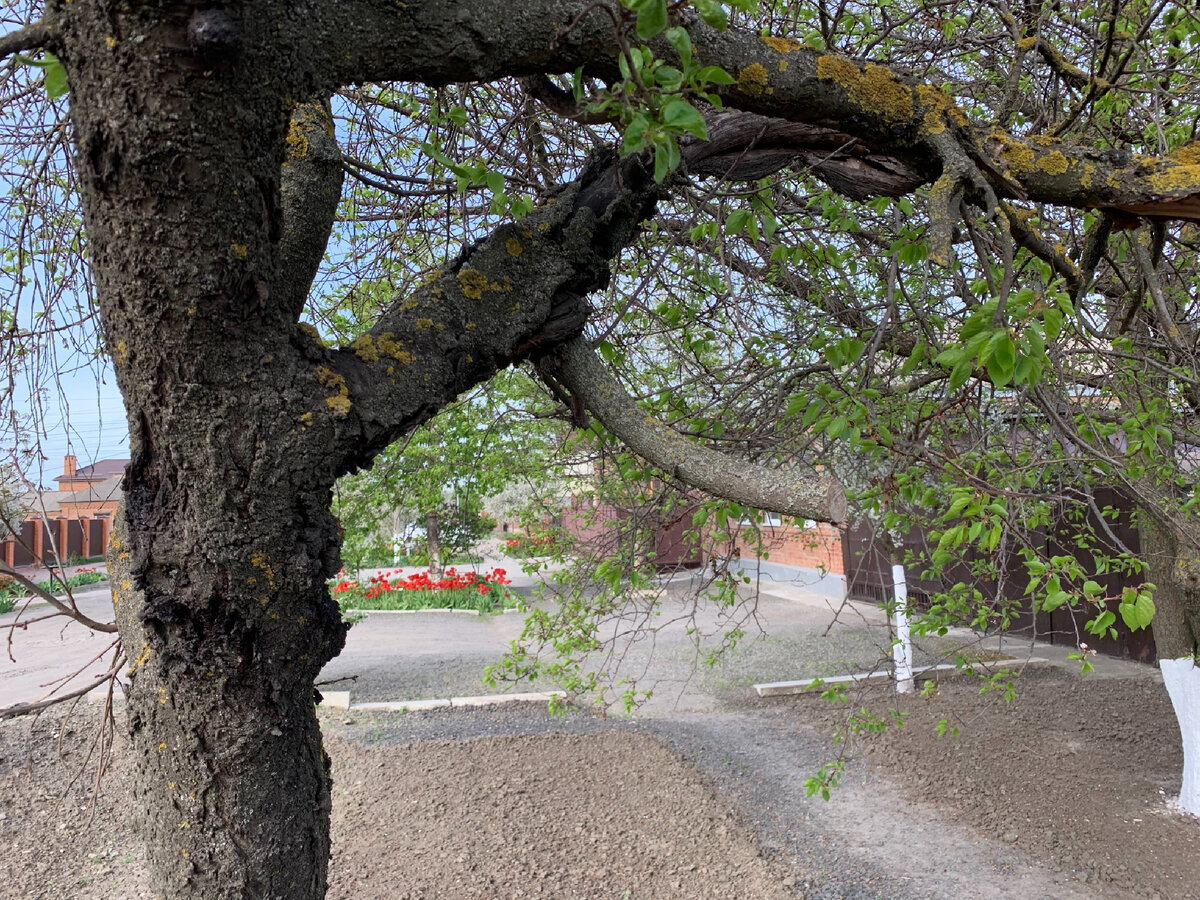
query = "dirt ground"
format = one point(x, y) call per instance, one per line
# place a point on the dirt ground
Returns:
point(1061, 793)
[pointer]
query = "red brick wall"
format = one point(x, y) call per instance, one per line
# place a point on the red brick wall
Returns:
point(813, 548)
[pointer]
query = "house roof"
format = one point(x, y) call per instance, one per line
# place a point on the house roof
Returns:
point(50, 503)
point(103, 468)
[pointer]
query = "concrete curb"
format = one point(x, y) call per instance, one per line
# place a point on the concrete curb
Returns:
point(778, 688)
point(413, 612)
point(335, 700)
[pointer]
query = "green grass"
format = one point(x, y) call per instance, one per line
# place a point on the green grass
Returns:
point(79, 579)
point(454, 598)
point(12, 591)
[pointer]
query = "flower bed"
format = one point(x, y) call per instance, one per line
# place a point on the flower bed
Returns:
point(525, 545)
point(455, 590)
point(12, 591)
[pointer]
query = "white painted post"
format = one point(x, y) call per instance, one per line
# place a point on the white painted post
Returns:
point(902, 649)
point(1182, 678)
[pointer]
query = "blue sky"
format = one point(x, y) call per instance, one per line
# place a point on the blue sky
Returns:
point(83, 416)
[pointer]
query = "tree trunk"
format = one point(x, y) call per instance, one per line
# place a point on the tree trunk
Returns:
point(433, 545)
point(1170, 550)
point(230, 780)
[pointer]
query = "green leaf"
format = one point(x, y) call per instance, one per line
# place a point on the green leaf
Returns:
point(1139, 613)
point(736, 221)
point(56, 78)
point(651, 18)
point(950, 357)
point(713, 75)
point(679, 115)
point(1001, 358)
point(713, 13)
point(1054, 600)
point(678, 38)
point(55, 74)
point(960, 373)
point(1054, 322)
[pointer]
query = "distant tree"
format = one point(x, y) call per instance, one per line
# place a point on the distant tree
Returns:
point(440, 477)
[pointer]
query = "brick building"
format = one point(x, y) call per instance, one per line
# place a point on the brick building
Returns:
point(74, 520)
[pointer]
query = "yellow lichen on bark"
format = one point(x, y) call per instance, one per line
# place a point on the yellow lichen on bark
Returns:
point(1188, 154)
point(940, 110)
point(838, 70)
point(753, 79)
point(262, 562)
point(372, 348)
point(306, 118)
point(1018, 157)
point(297, 140)
point(879, 92)
point(1054, 163)
point(473, 283)
point(513, 246)
point(873, 89)
point(311, 331)
point(782, 44)
point(1177, 180)
point(339, 403)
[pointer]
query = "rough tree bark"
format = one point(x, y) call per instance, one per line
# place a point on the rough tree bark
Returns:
point(434, 545)
point(187, 123)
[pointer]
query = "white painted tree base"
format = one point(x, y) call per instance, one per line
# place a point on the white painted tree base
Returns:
point(1182, 677)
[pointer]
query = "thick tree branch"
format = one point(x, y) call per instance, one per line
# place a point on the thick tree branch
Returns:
point(808, 495)
point(506, 298)
point(890, 114)
point(310, 188)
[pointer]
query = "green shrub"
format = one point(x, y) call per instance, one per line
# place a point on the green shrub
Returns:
point(79, 579)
